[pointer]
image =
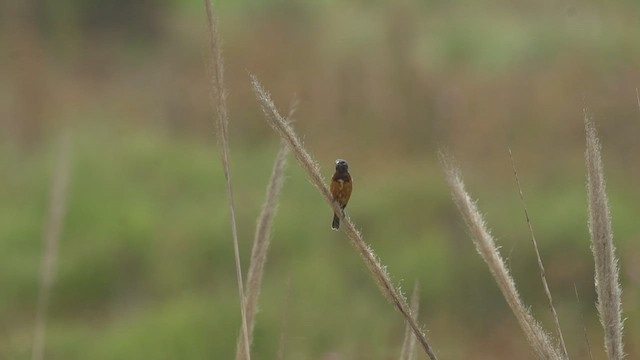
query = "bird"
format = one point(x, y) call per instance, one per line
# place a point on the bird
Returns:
point(341, 186)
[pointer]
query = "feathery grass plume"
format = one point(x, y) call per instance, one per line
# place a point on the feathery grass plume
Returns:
point(584, 327)
point(540, 265)
point(377, 271)
point(261, 244)
point(51, 239)
point(219, 98)
point(606, 264)
point(486, 247)
point(408, 351)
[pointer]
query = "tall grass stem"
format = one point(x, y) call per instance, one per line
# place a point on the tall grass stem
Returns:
point(543, 276)
point(261, 244)
point(486, 247)
point(408, 351)
point(219, 98)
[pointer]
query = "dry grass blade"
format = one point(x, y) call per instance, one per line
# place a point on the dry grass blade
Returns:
point(219, 98)
point(377, 271)
point(540, 265)
point(51, 239)
point(408, 351)
point(538, 339)
point(261, 243)
point(606, 264)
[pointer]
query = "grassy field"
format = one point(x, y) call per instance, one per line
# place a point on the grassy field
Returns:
point(146, 267)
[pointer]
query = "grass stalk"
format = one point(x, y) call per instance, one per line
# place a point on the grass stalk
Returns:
point(51, 240)
point(219, 98)
point(486, 247)
point(261, 244)
point(606, 263)
point(408, 351)
point(377, 271)
point(543, 276)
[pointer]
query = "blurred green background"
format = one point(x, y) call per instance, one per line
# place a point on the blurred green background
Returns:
point(145, 268)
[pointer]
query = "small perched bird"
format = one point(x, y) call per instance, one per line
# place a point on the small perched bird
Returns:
point(341, 185)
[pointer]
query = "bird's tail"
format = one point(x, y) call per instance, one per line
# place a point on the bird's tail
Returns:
point(335, 225)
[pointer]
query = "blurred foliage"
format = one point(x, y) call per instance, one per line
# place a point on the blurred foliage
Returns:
point(146, 265)
point(146, 268)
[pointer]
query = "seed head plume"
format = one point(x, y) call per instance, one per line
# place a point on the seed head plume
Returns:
point(606, 263)
point(486, 246)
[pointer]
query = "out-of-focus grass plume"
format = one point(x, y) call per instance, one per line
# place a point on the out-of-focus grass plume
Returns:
point(486, 246)
point(145, 263)
point(606, 263)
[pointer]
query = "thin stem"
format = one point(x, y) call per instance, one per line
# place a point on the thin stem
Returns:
point(540, 265)
point(51, 240)
point(220, 99)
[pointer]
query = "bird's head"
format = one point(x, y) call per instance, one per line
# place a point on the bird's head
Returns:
point(342, 166)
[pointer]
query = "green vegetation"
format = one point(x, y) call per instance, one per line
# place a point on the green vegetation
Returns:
point(146, 265)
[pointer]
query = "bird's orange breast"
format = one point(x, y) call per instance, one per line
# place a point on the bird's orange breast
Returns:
point(341, 190)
